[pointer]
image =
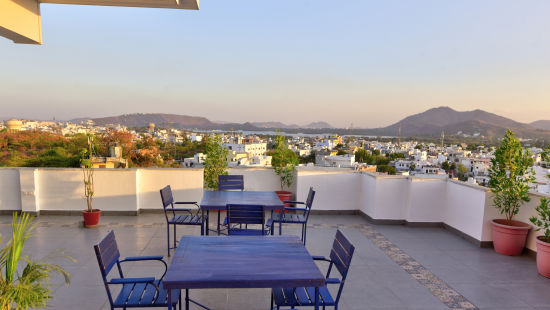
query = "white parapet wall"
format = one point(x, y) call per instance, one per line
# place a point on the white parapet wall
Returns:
point(464, 207)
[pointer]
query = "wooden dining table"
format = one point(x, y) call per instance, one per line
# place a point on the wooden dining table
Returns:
point(218, 201)
point(210, 262)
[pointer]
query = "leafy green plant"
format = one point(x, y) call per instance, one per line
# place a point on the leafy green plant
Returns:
point(215, 163)
point(284, 162)
point(542, 221)
point(30, 288)
point(510, 176)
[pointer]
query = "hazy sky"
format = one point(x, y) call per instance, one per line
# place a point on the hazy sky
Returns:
point(369, 63)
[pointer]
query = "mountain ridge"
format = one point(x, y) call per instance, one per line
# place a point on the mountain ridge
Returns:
point(430, 123)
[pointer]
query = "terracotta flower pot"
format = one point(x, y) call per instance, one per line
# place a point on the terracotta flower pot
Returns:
point(284, 196)
point(91, 219)
point(543, 257)
point(509, 236)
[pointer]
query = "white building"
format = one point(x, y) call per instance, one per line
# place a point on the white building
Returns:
point(252, 149)
point(339, 161)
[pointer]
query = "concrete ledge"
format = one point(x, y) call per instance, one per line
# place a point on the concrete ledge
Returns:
point(479, 243)
point(335, 212)
point(73, 213)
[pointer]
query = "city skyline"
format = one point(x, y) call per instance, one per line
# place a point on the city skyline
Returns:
point(366, 63)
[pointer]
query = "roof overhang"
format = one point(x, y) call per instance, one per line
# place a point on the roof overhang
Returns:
point(20, 19)
point(167, 4)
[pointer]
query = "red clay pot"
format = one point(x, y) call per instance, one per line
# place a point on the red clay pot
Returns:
point(284, 196)
point(543, 257)
point(91, 219)
point(509, 236)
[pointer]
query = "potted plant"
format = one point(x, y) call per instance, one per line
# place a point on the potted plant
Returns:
point(542, 221)
point(284, 162)
point(28, 287)
point(510, 178)
point(91, 215)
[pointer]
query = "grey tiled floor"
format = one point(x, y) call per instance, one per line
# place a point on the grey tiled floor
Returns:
point(484, 278)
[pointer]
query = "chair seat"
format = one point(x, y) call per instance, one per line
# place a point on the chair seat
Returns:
point(186, 219)
point(145, 295)
point(289, 218)
point(303, 296)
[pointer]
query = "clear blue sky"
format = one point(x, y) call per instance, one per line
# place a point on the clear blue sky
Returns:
point(369, 63)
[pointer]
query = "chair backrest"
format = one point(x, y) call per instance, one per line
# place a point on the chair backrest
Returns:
point(245, 214)
point(166, 196)
point(230, 182)
point(341, 255)
point(107, 253)
point(309, 201)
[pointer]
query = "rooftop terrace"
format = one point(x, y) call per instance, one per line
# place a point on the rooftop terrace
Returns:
point(395, 266)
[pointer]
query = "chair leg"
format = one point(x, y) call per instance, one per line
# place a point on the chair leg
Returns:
point(168, 237)
point(180, 302)
point(305, 233)
point(272, 301)
point(175, 236)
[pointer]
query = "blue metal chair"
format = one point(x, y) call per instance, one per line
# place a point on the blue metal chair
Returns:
point(230, 182)
point(135, 292)
point(238, 214)
point(233, 182)
point(191, 218)
point(300, 217)
point(340, 258)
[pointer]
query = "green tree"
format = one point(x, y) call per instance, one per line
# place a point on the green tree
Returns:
point(284, 162)
point(386, 168)
point(510, 176)
point(376, 152)
point(412, 167)
point(542, 220)
point(341, 152)
point(361, 155)
point(215, 163)
point(452, 167)
point(462, 172)
point(445, 166)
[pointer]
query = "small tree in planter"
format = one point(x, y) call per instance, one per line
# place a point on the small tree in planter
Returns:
point(284, 162)
point(215, 163)
point(542, 221)
point(91, 215)
point(510, 178)
point(28, 287)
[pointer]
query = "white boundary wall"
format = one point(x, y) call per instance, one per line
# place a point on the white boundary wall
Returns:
point(465, 207)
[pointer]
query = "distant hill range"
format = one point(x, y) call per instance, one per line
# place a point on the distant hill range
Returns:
point(478, 122)
point(314, 125)
point(426, 124)
point(184, 121)
point(542, 124)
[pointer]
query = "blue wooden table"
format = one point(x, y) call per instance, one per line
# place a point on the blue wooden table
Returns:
point(202, 262)
point(218, 200)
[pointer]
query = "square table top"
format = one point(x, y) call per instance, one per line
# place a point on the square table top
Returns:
point(242, 262)
point(216, 200)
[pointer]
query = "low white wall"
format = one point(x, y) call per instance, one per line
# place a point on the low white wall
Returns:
point(261, 179)
point(10, 189)
point(186, 184)
point(335, 189)
point(465, 207)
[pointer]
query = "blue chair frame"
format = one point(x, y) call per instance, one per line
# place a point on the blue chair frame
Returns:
point(231, 182)
point(239, 214)
point(300, 217)
point(135, 292)
point(339, 259)
point(194, 219)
